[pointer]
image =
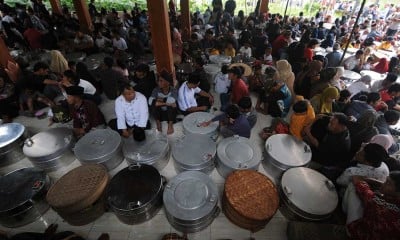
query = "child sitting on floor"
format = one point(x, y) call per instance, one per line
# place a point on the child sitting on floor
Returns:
point(303, 115)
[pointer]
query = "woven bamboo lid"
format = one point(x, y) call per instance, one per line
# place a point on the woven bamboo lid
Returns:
point(251, 194)
point(79, 188)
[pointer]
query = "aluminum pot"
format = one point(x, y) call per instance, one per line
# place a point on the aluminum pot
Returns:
point(102, 146)
point(235, 153)
point(283, 151)
point(191, 124)
point(12, 136)
point(50, 150)
point(135, 193)
point(154, 150)
point(194, 152)
point(22, 196)
point(307, 195)
point(191, 201)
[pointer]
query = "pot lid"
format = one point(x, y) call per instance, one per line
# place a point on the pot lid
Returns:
point(155, 145)
point(134, 187)
point(194, 149)
point(20, 186)
point(309, 191)
point(97, 144)
point(9, 132)
point(238, 153)
point(49, 142)
point(190, 195)
point(191, 123)
point(79, 188)
point(288, 150)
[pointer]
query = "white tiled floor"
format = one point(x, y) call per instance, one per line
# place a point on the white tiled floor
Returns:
point(155, 228)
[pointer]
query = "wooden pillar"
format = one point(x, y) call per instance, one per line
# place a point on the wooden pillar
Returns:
point(82, 11)
point(264, 6)
point(185, 18)
point(56, 7)
point(4, 54)
point(161, 34)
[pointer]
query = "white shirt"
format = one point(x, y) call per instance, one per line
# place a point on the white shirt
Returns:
point(357, 87)
point(351, 62)
point(376, 86)
point(88, 88)
point(120, 44)
point(245, 51)
point(132, 113)
point(222, 83)
point(395, 25)
point(101, 42)
point(186, 97)
point(379, 173)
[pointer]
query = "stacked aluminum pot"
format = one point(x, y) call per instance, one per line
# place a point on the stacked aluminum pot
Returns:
point(154, 150)
point(12, 136)
point(50, 150)
point(78, 195)
point(235, 153)
point(135, 193)
point(194, 152)
point(191, 201)
point(283, 151)
point(102, 146)
point(22, 196)
point(191, 125)
point(307, 195)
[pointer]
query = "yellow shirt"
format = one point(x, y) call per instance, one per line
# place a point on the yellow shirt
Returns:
point(385, 45)
point(300, 120)
point(230, 52)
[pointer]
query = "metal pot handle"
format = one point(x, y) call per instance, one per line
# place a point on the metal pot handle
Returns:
point(207, 157)
point(134, 166)
point(37, 185)
point(306, 149)
point(242, 166)
point(28, 142)
point(134, 205)
point(217, 212)
point(268, 147)
point(164, 180)
point(287, 190)
point(329, 184)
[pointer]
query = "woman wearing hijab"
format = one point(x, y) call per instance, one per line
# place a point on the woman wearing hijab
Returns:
point(382, 66)
point(326, 76)
point(285, 74)
point(322, 103)
point(58, 63)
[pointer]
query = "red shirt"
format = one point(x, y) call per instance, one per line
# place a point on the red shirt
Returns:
point(34, 38)
point(279, 43)
point(308, 54)
point(381, 220)
point(239, 90)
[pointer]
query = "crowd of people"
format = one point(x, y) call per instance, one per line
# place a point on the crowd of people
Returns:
point(348, 124)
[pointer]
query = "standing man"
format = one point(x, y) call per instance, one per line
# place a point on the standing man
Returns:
point(132, 114)
point(394, 24)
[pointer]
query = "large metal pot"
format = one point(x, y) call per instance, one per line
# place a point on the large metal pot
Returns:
point(283, 151)
point(191, 124)
point(12, 136)
point(235, 153)
point(50, 150)
point(154, 150)
point(191, 201)
point(307, 195)
point(22, 196)
point(102, 146)
point(194, 153)
point(135, 193)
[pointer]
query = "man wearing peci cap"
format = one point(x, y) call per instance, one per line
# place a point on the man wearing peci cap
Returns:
point(85, 114)
point(163, 101)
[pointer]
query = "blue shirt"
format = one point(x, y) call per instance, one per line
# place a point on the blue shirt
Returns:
point(240, 126)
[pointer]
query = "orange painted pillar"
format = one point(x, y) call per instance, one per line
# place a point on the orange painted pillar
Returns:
point(4, 54)
point(161, 34)
point(56, 7)
point(82, 11)
point(185, 17)
point(264, 6)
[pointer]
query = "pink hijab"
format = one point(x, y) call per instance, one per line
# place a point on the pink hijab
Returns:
point(382, 139)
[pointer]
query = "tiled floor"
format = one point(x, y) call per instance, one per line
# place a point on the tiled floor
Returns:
point(155, 228)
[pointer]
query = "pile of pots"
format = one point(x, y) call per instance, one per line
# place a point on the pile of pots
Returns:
point(102, 146)
point(50, 150)
point(154, 150)
point(22, 196)
point(12, 137)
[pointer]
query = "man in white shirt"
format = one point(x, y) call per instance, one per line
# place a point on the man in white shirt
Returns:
point(89, 91)
point(186, 96)
point(394, 25)
point(354, 63)
point(118, 42)
point(132, 113)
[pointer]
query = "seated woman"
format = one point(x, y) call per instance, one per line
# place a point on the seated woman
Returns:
point(163, 101)
point(381, 214)
point(231, 123)
point(279, 100)
point(323, 103)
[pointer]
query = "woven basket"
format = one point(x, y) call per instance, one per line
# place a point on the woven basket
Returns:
point(78, 189)
point(250, 199)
